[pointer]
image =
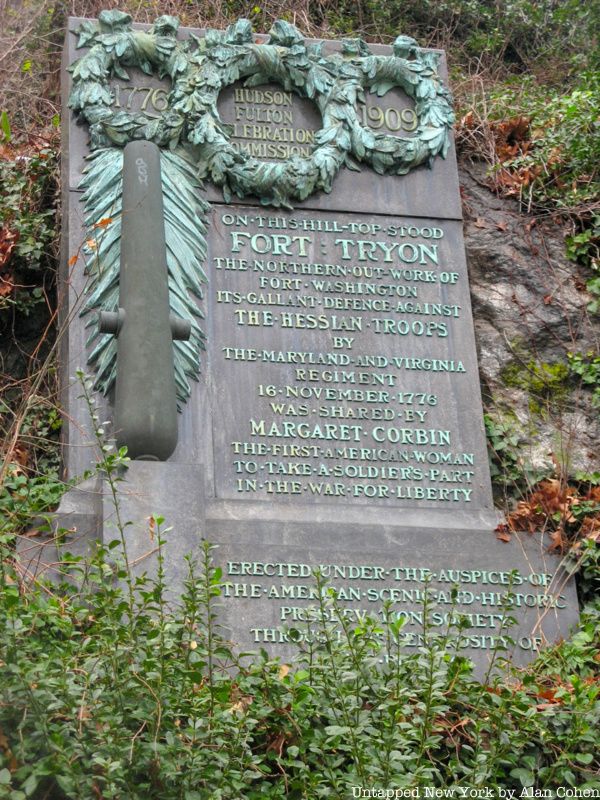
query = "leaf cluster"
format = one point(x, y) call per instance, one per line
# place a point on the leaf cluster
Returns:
point(554, 155)
point(542, 144)
point(200, 68)
point(27, 235)
point(518, 35)
point(105, 694)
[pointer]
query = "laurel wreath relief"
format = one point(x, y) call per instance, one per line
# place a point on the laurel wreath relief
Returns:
point(197, 143)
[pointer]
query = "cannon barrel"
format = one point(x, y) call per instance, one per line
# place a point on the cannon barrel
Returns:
point(145, 406)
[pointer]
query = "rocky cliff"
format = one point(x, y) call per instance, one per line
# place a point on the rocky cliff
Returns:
point(530, 311)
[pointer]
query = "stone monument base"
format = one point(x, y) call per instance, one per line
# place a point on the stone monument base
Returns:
point(269, 593)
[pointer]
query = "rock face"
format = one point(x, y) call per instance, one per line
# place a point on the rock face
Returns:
point(530, 311)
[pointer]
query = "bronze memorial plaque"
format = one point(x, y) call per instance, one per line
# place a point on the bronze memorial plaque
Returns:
point(323, 352)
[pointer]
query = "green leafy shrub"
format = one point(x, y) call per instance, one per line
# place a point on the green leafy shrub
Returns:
point(540, 136)
point(584, 247)
point(507, 468)
point(106, 694)
point(587, 367)
point(543, 147)
point(520, 33)
point(24, 497)
point(27, 178)
point(554, 159)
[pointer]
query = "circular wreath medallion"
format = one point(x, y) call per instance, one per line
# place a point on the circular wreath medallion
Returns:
point(200, 68)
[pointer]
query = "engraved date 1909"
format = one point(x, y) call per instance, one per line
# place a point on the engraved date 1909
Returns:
point(153, 100)
point(394, 119)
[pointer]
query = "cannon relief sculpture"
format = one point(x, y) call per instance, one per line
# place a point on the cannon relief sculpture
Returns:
point(145, 404)
point(196, 146)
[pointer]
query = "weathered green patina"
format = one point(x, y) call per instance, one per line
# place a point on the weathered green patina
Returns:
point(145, 406)
point(199, 69)
point(185, 235)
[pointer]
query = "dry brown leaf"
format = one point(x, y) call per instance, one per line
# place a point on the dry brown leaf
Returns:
point(242, 704)
point(557, 541)
point(7, 284)
point(277, 744)
point(32, 533)
point(590, 528)
point(554, 505)
point(283, 671)
point(21, 454)
point(549, 694)
point(512, 132)
point(467, 120)
point(8, 240)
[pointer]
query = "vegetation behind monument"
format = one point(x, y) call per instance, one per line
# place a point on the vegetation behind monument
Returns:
point(123, 699)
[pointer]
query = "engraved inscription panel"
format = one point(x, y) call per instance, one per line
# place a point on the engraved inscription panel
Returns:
point(268, 122)
point(272, 124)
point(337, 422)
point(141, 94)
point(150, 100)
point(487, 598)
point(349, 342)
